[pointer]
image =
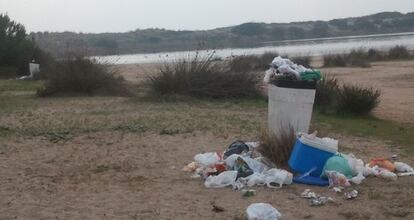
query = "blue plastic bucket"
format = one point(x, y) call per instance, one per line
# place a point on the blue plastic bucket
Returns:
point(304, 158)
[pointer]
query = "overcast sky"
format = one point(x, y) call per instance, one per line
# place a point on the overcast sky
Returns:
point(125, 15)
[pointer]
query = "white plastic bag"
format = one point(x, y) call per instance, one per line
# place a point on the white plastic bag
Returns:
point(262, 211)
point(277, 176)
point(207, 159)
point(358, 179)
point(256, 179)
point(230, 160)
point(224, 179)
point(386, 174)
point(356, 165)
point(403, 167)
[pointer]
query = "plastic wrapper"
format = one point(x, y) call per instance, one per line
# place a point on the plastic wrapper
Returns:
point(262, 211)
point(226, 178)
point(207, 159)
point(337, 179)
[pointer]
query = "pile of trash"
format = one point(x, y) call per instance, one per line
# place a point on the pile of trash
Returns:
point(285, 69)
point(313, 160)
point(239, 166)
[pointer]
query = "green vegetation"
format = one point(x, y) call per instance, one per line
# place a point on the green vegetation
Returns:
point(203, 78)
point(326, 93)
point(362, 58)
point(357, 100)
point(78, 75)
point(16, 50)
point(19, 85)
point(399, 134)
point(244, 35)
point(345, 99)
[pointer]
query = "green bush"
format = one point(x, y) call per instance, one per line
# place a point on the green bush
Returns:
point(333, 60)
point(357, 100)
point(398, 52)
point(375, 55)
point(203, 78)
point(81, 76)
point(326, 93)
point(358, 58)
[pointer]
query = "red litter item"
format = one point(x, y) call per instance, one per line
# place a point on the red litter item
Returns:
point(220, 167)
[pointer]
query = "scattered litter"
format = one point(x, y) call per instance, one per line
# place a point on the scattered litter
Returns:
point(321, 200)
point(382, 163)
point(403, 167)
point(226, 178)
point(262, 211)
point(339, 164)
point(308, 194)
point(191, 167)
point(386, 174)
point(337, 189)
point(248, 192)
point(405, 174)
point(351, 195)
point(242, 168)
point(337, 179)
point(207, 159)
point(237, 147)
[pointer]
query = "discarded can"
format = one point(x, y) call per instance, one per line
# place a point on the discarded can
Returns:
point(249, 192)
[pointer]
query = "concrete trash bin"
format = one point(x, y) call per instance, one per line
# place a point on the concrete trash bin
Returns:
point(290, 107)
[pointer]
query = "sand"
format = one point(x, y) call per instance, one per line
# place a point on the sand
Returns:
point(108, 168)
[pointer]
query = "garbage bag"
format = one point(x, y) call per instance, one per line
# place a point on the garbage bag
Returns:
point(337, 179)
point(339, 164)
point(262, 211)
point(207, 159)
point(274, 177)
point(256, 179)
point(403, 167)
point(236, 147)
point(255, 165)
point(242, 168)
point(386, 174)
point(226, 178)
point(356, 165)
point(382, 163)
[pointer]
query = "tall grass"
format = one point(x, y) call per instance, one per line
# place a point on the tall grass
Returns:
point(399, 52)
point(277, 147)
point(81, 76)
point(202, 77)
point(362, 58)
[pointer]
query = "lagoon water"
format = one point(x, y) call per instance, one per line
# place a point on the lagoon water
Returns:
point(313, 47)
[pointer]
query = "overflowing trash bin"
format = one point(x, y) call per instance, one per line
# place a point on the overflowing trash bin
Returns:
point(291, 92)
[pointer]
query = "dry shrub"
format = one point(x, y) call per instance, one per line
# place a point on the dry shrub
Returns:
point(398, 52)
point(333, 60)
point(81, 76)
point(326, 92)
point(277, 147)
point(203, 78)
point(358, 58)
point(252, 62)
point(357, 100)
